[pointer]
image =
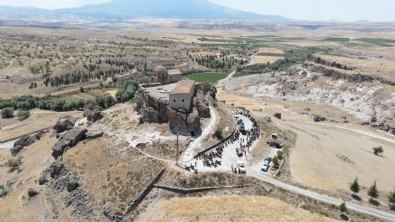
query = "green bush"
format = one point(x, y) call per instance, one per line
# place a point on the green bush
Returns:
point(280, 154)
point(276, 162)
point(7, 112)
point(14, 163)
point(23, 114)
point(218, 133)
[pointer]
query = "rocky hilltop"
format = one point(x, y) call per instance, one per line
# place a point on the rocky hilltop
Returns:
point(153, 106)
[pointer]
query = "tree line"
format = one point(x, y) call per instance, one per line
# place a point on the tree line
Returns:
point(126, 90)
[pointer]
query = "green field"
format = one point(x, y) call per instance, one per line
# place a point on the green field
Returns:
point(336, 39)
point(379, 42)
point(212, 77)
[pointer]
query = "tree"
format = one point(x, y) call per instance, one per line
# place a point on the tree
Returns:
point(23, 114)
point(373, 192)
point(7, 112)
point(354, 187)
point(343, 208)
point(391, 199)
point(378, 151)
point(280, 154)
point(276, 162)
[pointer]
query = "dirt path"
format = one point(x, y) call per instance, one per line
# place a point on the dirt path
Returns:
point(252, 62)
point(222, 81)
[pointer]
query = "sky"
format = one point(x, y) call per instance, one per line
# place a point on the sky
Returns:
point(316, 10)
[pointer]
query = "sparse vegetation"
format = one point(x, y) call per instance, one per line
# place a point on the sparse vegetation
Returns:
point(354, 187)
point(378, 151)
point(13, 164)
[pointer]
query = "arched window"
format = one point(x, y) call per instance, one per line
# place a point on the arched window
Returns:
point(183, 100)
point(174, 100)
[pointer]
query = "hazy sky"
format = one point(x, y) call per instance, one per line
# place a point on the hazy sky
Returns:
point(344, 10)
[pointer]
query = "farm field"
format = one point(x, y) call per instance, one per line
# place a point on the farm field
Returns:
point(210, 77)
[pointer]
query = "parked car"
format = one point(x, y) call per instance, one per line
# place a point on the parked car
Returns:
point(266, 164)
point(265, 167)
point(241, 112)
point(241, 167)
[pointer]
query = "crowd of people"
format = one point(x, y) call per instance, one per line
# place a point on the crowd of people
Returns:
point(245, 139)
point(251, 136)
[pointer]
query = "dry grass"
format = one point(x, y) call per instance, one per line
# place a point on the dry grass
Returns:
point(266, 59)
point(38, 119)
point(111, 181)
point(371, 66)
point(15, 206)
point(228, 208)
point(272, 50)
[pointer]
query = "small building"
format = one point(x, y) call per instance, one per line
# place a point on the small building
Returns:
point(182, 95)
point(160, 75)
point(175, 75)
point(163, 76)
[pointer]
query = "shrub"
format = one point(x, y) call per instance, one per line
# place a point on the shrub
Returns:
point(378, 150)
point(391, 199)
point(343, 208)
point(7, 112)
point(354, 187)
point(280, 154)
point(1, 187)
point(218, 133)
point(373, 192)
point(276, 162)
point(23, 114)
point(14, 163)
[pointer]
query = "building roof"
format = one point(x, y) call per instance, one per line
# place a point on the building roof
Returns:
point(160, 68)
point(174, 72)
point(183, 87)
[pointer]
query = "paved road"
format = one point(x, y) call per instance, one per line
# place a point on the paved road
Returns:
point(320, 197)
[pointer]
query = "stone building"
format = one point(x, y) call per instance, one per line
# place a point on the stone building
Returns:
point(163, 76)
point(182, 95)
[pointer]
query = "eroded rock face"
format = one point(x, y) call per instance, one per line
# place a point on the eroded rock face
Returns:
point(184, 123)
point(56, 169)
point(65, 123)
point(21, 143)
point(94, 134)
point(70, 139)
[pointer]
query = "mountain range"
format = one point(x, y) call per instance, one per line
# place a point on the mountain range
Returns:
point(124, 9)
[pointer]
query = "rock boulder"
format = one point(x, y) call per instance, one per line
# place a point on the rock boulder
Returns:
point(95, 116)
point(21, 143)
point(32, 192)
point(65, 123)
point(70, 139)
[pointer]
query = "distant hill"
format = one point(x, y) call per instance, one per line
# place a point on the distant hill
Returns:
point(121, 9)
